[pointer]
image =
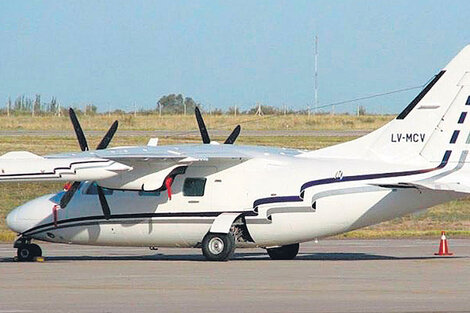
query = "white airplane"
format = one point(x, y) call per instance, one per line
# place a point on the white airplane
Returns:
point(221, 196)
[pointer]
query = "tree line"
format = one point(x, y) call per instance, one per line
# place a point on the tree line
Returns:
point(167, 104)
point(23, 104)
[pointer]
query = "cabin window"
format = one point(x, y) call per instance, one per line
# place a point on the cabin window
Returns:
point(194, 187)
point(149, 193)
point(92, 190)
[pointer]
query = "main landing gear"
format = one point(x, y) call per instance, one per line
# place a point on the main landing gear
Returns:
point(288, 252)
point(27, 251)
point(218, 247)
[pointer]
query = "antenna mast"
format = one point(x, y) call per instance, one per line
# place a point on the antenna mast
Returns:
point(316, 74)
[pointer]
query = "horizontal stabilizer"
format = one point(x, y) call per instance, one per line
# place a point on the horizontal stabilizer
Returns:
point(429, 185)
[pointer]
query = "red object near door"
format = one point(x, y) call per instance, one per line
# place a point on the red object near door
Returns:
point(168, 182)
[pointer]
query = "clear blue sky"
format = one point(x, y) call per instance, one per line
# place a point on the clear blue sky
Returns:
point(222, 54)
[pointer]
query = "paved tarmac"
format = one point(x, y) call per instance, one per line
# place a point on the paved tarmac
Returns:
point(329, 276)
point(191, 133)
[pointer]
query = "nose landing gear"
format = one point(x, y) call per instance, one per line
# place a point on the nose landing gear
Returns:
point(27, 251)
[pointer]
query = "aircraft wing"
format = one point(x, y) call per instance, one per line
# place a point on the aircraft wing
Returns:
point(182, 153)
point(127, 166)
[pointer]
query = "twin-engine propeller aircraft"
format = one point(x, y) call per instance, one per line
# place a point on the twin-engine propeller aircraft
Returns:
point(221, 196)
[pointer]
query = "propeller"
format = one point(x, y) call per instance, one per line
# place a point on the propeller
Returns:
point(202, 126)
point(205, 135)
point(78, 130)
point(107, 138)
point(64, 201)
point(233, 136)
point(103, 202)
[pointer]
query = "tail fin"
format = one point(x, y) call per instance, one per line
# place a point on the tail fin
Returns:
point(435, 121)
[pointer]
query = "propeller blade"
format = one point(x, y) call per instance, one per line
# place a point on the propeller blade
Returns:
point(202, 127)
point(69, 194)
point(107, 138)
point(103, 202)
point(78, 130)
point(233, 136)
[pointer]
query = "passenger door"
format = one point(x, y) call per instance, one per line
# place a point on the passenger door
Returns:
point(194, 189)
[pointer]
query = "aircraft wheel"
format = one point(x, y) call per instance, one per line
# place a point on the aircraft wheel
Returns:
point(25, 253)
point(288, 252)
point(218, 247)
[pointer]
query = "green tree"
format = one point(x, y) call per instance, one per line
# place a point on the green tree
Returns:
point(175, 104)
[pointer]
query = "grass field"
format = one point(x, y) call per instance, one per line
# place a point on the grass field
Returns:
point(453, 217)
point(188, 122)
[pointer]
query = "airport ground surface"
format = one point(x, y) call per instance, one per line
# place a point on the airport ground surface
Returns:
point(329, 276)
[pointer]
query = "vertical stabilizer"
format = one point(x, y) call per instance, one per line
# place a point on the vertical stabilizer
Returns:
point(435, 121)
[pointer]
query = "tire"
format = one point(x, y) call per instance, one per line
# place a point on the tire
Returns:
point(218, 247)
point(288, 252)
point(25, 253)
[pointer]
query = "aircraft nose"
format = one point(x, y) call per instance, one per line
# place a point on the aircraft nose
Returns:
point(13, 223)
point(29, 214)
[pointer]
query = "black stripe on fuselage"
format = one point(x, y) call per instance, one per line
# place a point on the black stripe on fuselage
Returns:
point(127, 221)
point(443, 163)
point(277, 200)
point(134, 216)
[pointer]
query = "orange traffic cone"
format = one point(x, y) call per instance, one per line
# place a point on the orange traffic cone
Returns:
point(443, 247)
